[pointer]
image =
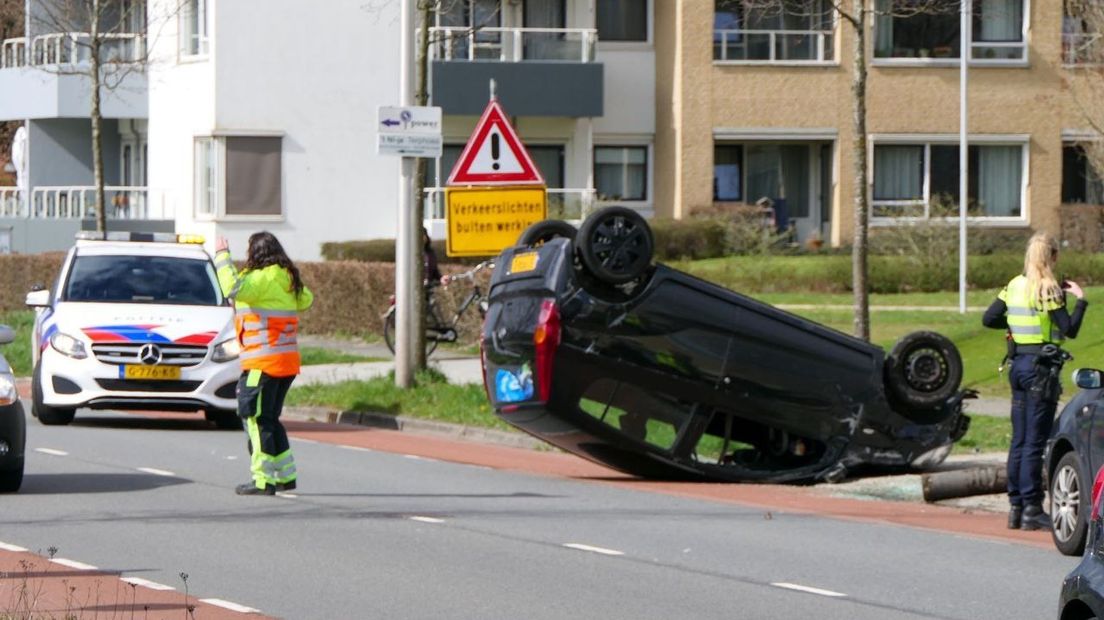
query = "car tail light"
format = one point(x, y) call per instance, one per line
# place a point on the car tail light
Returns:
point(546, 338)
point(1098, 486)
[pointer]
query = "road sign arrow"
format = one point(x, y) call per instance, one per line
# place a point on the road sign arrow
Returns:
point(390, 122)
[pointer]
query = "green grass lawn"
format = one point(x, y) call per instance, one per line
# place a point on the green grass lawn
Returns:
point(18, 353)
point(313, 356)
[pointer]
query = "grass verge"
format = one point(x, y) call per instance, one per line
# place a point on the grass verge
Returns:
point(986, 434)
point(18, 353)
point(313, 356)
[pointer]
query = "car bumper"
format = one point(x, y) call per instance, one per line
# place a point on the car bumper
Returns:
point(71, 383)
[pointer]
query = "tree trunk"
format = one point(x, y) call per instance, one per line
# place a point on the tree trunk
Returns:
point(97, 119)
point(859, 271)
point(421, 97)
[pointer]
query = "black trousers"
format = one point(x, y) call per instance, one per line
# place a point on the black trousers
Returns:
point(260, 402)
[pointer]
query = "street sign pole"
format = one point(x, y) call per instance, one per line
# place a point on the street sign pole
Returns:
point(963, 152)
point(406, 240)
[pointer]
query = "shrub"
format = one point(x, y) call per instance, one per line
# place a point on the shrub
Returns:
point(381, 251)
point(693, 238)
point(20, 272)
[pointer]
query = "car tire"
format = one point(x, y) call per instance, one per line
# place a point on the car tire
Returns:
point(224, 418)
point(546, 230)
point(12, 479)
point(615, 245)
point(1069, 504)
point(924, 370)
point(47, 415)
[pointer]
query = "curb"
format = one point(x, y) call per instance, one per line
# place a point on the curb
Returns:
point(391, 422)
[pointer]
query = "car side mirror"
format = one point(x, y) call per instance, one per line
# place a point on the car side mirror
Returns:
point(7, 335)
point(38, 299)
point(1088, 378)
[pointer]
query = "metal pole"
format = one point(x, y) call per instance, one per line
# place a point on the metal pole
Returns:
point(406, 239)
point(963, 150)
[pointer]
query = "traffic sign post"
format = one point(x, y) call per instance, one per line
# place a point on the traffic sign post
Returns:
point(495, 191)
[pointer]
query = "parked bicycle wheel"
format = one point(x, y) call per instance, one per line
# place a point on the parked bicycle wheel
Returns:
point(389, 334)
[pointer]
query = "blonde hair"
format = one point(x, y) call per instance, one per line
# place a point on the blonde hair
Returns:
point(1043, 287)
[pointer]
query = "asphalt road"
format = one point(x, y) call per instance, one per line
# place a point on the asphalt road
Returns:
point(374, 534)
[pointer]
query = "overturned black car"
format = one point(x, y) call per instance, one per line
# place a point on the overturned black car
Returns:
point(656, 373)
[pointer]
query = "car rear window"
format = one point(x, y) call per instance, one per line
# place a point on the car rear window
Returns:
point(143, 280)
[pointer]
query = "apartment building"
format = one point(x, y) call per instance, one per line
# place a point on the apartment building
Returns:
point(756, 103)
point(247, 115)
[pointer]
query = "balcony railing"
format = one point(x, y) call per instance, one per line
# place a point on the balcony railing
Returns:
point(773, 45)
point(61, 48)
point(513, 44)
point(1081, 48)
point(79, 202)
point(563, 204)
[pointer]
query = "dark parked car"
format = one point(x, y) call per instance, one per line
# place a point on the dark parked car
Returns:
point(13, 424)
point(592, 348)
point(1075, 450)
point(1082, 595)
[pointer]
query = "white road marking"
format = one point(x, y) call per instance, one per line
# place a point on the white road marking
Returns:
point(808, 589)
point(231, 458)
point(427, 519)
point(157, 472)
point(52, 452)
point(286, 494)
point(146, 583)
point(73, 564)
point(7, 547)
point(356, 448)
point(601, 550)
point(217, 602)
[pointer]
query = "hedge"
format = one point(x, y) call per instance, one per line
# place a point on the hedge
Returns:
point(19, 273)
point(380, 251)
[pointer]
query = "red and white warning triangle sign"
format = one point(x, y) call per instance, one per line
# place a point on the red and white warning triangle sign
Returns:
point(494, 155)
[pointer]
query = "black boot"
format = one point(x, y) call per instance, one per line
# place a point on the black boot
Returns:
point(251, 488)
point(1034, 518)
point(285, 486)
point(1015, 517)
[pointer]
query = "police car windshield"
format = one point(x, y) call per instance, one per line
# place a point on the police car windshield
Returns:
point(143, 280)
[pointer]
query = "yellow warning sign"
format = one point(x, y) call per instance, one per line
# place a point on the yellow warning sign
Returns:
point(482, 221)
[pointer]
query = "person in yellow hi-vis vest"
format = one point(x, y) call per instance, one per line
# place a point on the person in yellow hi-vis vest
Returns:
point(268, 296)
point(1032, 308)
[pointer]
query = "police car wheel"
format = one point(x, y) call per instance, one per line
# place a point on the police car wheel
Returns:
point(924, 370)
point(47, 415)
point(615, 245)
point(546, 230)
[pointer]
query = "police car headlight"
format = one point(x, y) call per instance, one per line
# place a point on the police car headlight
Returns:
point(226, 351)
point(68, 345)
point(8, 394)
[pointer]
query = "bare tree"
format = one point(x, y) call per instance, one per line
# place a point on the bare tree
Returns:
point(857, 15)
point(104, 41)
point(1083, 47)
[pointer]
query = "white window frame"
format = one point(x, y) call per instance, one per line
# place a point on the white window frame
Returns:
point(649, 163)
point(926, 141)
point(876, 61)
point(203, 34)
point(833, 62)
point(199, 188)
point(219, 213)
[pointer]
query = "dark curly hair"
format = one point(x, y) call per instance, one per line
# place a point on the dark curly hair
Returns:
point(265, 250)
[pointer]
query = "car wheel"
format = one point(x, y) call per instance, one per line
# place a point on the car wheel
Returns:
point(615, 245)
point(50, 416)
point(1068, 505)
point(545, 231)
point(924, 370)
point(12, 479)
point(224, 418)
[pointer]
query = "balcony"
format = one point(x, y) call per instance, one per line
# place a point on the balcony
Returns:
point(79, 202)
point(45, 78)
point(774, 46)
point(538, 71)
point(563, 204)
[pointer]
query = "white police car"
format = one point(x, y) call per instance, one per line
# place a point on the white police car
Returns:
point(135, 321)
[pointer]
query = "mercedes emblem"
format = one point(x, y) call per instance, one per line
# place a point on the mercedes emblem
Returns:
point(149, 354)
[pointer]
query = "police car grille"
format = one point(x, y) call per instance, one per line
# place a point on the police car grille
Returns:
point(122, 385)
point(128, 353)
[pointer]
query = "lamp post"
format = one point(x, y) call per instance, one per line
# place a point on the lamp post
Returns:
point(407, 238)
point(963, 149)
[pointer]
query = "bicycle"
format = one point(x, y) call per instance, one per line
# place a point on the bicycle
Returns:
point(438, 331)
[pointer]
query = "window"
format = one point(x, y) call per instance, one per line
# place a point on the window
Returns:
point(193, 28)
point(910, 178)
point(142, 280)
point(1081, 183)
point(622, 20)
point(621, 172)
point(728, 169)
point(799, 31)
point(239, 176)
point(996, 35)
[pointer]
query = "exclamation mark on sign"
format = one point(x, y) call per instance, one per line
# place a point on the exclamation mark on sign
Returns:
point(494, 151)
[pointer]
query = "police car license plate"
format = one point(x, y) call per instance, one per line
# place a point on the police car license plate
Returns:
point(151, 372)
point(522, 263)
